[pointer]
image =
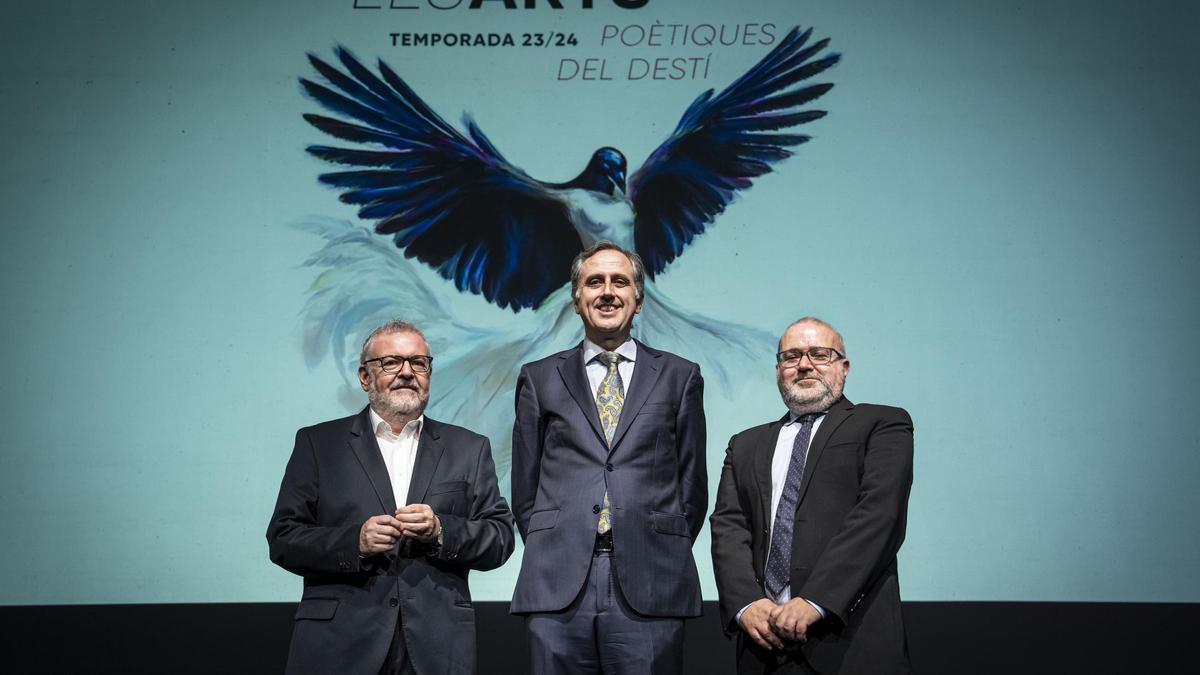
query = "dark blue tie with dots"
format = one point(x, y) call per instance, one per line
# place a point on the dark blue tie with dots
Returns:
point(779, 559)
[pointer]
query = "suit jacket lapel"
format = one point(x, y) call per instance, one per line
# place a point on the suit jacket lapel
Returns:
point(429, 453)
point(573, 375)
point(839, 412)
point(764, 455)
point(646, 369)
point(366, 451)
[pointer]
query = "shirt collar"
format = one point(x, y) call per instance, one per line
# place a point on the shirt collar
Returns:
point(384, 430)
point(792, 417)
point(628, 350)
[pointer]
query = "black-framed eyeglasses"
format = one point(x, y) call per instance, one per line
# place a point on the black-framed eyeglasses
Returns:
point(818, 356)
point(421, 364)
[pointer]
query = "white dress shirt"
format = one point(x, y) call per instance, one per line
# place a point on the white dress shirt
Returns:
point(399, 452)
point(779, 470)
point(780, 461)
point(596, 370)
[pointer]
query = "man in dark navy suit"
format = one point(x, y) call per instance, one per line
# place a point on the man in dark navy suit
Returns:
point(384, 513)
point(609, 487)
point(810, 514)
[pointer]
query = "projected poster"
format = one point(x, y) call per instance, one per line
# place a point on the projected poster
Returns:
point(445, 196)
point(452, 200)
point(210, 205)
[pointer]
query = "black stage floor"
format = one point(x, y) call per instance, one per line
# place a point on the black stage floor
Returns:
point(944, 637)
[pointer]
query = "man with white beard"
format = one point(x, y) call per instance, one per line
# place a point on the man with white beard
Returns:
point(384, 513)
point(809, 517)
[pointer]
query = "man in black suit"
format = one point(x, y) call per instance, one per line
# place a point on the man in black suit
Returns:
point(609, 487)
point(809, 517)
point(384, 513)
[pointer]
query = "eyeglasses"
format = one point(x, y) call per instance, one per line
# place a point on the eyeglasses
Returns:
point(819, 356)
point(421, 364)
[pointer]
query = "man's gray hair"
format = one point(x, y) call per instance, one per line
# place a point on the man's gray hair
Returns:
point(393, 326)
point(639, 269)
point(840, 344)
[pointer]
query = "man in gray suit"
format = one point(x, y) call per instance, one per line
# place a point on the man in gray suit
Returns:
point(609, 487)
point(384, 513)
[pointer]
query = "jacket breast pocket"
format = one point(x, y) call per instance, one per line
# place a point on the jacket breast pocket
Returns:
point(657, 410)
point(448, 486)
point(317, 609)
point(840, 465)
point(449, 497)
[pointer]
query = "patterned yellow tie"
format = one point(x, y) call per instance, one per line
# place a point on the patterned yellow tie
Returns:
point(610, 397)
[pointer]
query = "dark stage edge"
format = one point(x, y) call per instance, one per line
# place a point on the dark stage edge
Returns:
point(944, 637)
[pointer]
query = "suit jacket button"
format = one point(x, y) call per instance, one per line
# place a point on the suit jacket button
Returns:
point(595, 508)
point(608, 466)
point(393, 602)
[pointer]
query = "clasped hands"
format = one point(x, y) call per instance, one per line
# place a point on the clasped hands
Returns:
point(769, 624)
point(380, 533)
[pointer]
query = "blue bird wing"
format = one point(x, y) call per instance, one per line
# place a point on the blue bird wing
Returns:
point(453, 202)
point(721, 143)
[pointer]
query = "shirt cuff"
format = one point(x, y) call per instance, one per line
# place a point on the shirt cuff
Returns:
point(820, 609)
point(738, 617)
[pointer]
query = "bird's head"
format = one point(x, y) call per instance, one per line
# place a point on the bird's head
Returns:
point(605, 173)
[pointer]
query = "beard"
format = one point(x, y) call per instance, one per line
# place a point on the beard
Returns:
point(802, 400)
point(398, 400)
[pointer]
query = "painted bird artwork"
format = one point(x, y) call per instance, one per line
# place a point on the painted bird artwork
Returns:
point(451, 201)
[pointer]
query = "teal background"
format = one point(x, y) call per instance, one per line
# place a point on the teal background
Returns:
point(999, 213)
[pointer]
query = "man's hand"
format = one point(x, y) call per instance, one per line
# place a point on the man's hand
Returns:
point(378, 534)
point(419, 522)
point(755, 621)
point(791, 620)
